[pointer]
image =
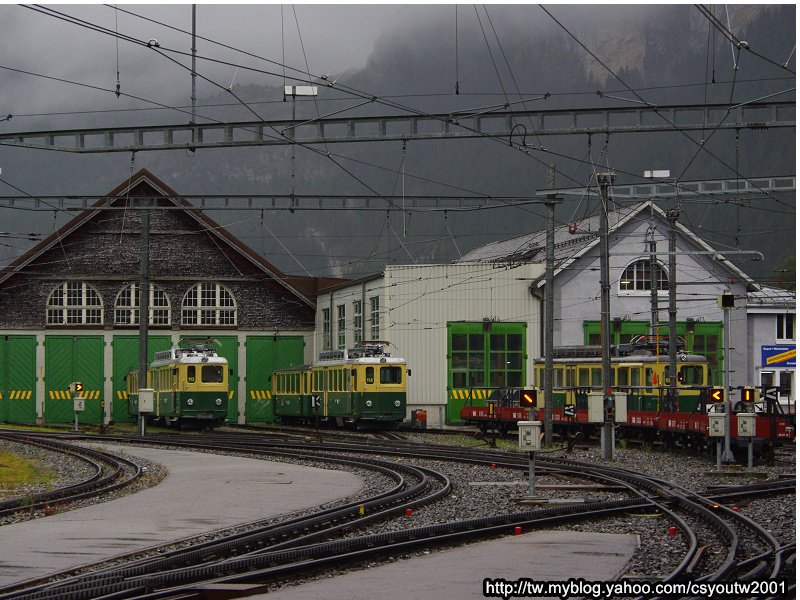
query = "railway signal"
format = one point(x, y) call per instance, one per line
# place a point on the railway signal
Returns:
point(747, 394)
point(76, 387)
point(527, 399)
point(717, 395)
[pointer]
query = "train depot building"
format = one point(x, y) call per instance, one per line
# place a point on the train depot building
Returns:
point(468, 325)
point(69, 309)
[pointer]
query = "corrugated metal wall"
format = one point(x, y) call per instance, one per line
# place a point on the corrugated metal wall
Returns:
point(418, 301)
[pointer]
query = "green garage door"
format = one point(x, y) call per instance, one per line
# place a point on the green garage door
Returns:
point(229, 348)
point(69, 358)
point(126, 358)
point(266, 354)
point(18, 378)
point(482, 357)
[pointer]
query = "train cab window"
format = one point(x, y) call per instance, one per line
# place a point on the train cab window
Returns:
point(690, 375)
point(370, 375)
point(190, 374)
point(211, 374)
point(391, 375)
point(648, 377)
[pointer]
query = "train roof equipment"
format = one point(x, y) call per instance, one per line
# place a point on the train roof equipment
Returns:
point(365, 349)
point(642, 345)
point(190, 350)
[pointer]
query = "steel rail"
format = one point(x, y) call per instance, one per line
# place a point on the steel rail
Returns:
point(668, 492)
point(372, 509)
point(95, 485)
point(270, 565)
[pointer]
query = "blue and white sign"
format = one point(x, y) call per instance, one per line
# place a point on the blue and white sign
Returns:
point(778, 356)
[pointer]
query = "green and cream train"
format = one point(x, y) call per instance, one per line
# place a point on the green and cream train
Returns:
point(190, 386)
point(361, 386)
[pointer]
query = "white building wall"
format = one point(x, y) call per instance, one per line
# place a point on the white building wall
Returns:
point(700, 281)
point(762, 331)
point(418, 301)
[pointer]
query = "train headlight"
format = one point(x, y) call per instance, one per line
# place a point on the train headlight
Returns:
point(369, 403)
point(190, 401)
point(397, 403)
point(218, 401)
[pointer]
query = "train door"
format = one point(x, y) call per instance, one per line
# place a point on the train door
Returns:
point(584, 381)
point(18, 378)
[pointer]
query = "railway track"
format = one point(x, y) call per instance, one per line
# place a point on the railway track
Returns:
point(259, 557)
point(109, 473)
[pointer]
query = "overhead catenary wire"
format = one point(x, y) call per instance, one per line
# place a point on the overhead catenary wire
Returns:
point(351, 90)
point(116, 42)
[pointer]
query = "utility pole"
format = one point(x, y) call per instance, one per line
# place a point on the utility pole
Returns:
point(144, 300)
point(605, 181)
point(294, 91)
point(194, 74)
point(549, 313)
point(726, 302)
point(672, 217)
point(653, 278)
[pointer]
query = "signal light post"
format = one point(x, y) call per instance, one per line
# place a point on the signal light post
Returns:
point(726, 303)
point(605, 180)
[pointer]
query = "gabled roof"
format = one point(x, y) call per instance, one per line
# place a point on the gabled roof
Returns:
point(774, 298)
point(570, 246)
point(292, 284)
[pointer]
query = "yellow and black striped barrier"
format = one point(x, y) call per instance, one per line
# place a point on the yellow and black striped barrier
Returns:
point(18, 395)
point(66, 395)
point(466, 394)
point(260, 395)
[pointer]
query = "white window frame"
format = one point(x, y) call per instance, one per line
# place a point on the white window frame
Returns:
point(358, 317)
point(126, 306)
point(326, 328)
point(375, 317)
point(341, 327)
point(633, 280)
point(208, 304)
point(74, 303)
point(785, 327)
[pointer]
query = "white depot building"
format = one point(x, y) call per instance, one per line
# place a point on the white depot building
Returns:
point(459, 326)
point(477, 323)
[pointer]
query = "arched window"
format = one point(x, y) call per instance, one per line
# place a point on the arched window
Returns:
point(74, 303)
point(636, 277)
point(208, 304)
point(126, 306)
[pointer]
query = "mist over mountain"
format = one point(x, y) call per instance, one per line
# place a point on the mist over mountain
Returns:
point(502, 54)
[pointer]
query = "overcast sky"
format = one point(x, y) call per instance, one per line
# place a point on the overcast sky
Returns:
point(336, 39)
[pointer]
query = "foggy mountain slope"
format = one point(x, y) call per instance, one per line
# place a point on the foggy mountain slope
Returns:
point(648, 47)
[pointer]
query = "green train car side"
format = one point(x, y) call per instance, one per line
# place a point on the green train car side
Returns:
point(359, 386)
point(190, 388)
